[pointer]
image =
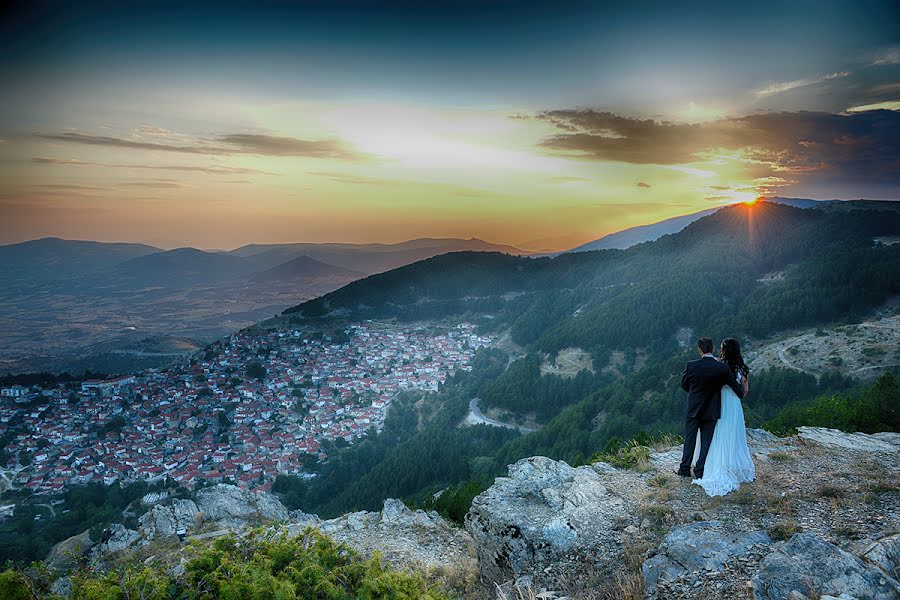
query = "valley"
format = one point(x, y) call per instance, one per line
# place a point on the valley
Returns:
point(70, 306)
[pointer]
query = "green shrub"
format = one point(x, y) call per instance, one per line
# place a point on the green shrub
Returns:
point(870, 410)
point(632, 456)
point(259, 565)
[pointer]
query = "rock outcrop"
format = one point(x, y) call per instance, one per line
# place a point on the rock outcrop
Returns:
point(117, 538)
point(544, 515)
point(405, 538)
point(65, 555)
point(233, 507)
point(808, 566)
point(699, 548)
point(164, 520)
point(829, 496)
point(884, 443)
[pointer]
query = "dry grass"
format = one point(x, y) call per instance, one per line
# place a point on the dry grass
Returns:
point(662, 481)
point(781, 457)
point(784, 530)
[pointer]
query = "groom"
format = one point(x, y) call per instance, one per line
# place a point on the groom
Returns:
point(703, 380)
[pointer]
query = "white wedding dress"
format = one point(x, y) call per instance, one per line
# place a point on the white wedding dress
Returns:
point(728, 463)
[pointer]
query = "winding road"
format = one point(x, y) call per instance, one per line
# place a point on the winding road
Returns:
point(476, 417)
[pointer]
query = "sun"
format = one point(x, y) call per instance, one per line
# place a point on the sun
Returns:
point(752, 201)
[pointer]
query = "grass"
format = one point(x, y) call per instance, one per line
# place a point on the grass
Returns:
point(632, 456)
point(662, 481)
point(781, 457)
point(784, 530)
point(830, 491)
point(655, 513)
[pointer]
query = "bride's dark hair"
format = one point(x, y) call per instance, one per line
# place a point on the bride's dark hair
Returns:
point(730, 354)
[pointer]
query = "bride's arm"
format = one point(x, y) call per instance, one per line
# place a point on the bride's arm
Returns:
point(745, 384)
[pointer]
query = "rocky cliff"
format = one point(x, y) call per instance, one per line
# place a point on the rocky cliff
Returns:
point(822, 519)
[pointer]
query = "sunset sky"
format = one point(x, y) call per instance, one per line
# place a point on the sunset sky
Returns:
point(542, 125)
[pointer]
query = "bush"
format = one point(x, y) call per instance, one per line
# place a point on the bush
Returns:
point(632, 456)
point(256, 566)
point(872, 409)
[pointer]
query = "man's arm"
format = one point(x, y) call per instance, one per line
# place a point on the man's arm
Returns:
point(685, 382)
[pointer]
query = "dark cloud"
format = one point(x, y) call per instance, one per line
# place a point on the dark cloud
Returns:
point(103, 140)
point(235, 143)
point(210, 170)
point(643, 184)
point(153, 184)
point(863, 145)
point(284, 146)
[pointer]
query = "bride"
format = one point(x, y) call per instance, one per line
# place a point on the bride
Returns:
point(728, 463)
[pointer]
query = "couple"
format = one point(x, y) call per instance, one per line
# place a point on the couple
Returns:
point(715, 388)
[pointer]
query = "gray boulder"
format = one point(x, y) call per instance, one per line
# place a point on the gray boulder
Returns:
point(885, 554)
point(65, 555)
point(116, 538)
point(231, 506)
point(543, 513)
point(165, 520)
point(811, 566)
point(887, 443)
point(405, 538)
point(700, 546)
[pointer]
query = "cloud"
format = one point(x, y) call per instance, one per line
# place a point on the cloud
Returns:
point(153, 184)
point(271, 145)
point(891, 56)
point(54, 186)
point(779, 87)
point(210, 170)
point(234, 143)
point(643, 184)
point(889, 105)
point(862, 145)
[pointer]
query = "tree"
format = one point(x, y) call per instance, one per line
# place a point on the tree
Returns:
point(255, 370)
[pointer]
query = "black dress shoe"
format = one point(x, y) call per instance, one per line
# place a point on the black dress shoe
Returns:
point(698, 475)
point(681, 474)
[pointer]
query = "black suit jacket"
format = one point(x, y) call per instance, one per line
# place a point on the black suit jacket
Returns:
point(703, 380)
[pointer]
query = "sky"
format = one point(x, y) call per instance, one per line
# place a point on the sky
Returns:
point(538, 124)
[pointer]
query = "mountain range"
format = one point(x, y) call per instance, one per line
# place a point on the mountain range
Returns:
point(62, 302)
point(60, 298)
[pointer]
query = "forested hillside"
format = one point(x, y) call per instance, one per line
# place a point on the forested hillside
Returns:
point(714, 278)
point(706, 277)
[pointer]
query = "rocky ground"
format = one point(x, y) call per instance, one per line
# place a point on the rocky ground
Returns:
point(822, 519)
point(600, 532)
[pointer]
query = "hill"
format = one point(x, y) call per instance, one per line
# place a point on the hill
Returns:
point(303, 267)
point(707, 277)
point(369, 258)
point(54, 258)
point(181, 267)
point(642, 233)
point(648, 233)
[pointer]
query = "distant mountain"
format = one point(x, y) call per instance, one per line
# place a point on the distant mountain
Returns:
point(304, 268)
point(643, 233)
point(54, 258)
point(648, 233)
point(368, 258)
point(180, 267)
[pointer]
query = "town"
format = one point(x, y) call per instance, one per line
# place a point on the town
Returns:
point(244, 410)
